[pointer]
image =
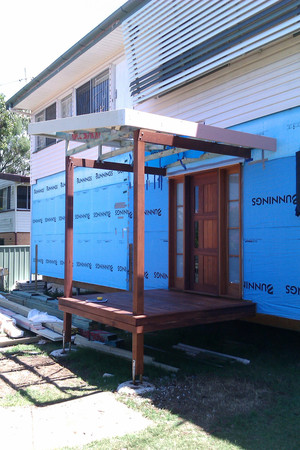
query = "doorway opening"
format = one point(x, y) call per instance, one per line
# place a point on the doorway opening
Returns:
point(205, 232)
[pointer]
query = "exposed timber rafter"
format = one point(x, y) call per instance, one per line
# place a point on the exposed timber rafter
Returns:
point(163, 153)
point(183, 162)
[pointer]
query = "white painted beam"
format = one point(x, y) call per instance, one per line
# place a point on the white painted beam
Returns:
point(138, 119)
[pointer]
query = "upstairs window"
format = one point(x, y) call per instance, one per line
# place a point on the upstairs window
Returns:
point(5, 198)
point(93, 96)
point(66, 106)
point(47, 114)
point(23, 197)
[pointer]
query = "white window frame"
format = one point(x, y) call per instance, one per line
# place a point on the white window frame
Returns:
point(40, 141)
point(66, 99)
point(104, 75)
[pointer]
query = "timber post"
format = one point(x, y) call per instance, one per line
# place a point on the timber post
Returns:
point(138, 251)
point(68, 243)
point(137, 355)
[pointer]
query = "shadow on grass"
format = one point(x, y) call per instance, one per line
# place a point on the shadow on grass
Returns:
point(38, 380)
point(255, 406)
point(251, 406)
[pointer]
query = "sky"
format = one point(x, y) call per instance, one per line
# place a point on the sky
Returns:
point(33, 33)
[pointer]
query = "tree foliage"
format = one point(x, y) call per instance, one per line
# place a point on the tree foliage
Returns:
point(14, 141)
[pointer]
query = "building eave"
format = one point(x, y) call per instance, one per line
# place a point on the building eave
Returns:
point(97, 34)
point(14, 177)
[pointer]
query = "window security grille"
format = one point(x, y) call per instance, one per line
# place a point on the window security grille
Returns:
point(93, 96)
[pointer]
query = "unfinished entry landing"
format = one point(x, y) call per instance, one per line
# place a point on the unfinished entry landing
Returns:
point(163, 309)
point(131, 130)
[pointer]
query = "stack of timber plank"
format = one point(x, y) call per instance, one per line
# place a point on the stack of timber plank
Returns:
point(8, 342)
point(22, 321)
point(44, 303)
point(38, 286)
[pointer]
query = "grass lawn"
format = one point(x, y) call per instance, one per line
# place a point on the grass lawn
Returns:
point(211, 403)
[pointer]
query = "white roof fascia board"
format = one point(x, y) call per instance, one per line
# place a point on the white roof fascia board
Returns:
point(115, 119)
point(139, 120)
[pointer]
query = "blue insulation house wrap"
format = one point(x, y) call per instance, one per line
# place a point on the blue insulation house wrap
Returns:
point(103, 227)
point(271, 227)
point(222, 218)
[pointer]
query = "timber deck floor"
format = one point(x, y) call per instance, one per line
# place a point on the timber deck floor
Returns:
point(163, 309)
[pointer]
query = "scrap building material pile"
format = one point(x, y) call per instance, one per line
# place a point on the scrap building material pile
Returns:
point(8, 326)
point(42, 302)
point(23, 308)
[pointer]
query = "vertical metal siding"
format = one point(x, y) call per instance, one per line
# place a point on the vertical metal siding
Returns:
point(16, 259)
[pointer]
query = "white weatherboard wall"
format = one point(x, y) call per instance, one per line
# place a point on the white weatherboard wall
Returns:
point(23, 221)
point(51, 160)
point(259, 84)
point(171, 42)
point(121, 92)
point(7, 222)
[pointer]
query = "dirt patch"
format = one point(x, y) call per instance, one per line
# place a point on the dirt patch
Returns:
point(39, 375)
point(207, 400)
point(61, 409)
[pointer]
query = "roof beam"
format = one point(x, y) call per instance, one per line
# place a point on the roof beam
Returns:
point(193, 144)
point(109, 165)
point(233, 137)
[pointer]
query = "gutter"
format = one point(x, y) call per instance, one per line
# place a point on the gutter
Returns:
point(94, 36)
point(14, 177)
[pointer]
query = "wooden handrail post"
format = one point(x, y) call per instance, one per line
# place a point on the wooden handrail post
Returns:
point(139, 224)
point(36, 267)
point(138, 250)
point(69, 197)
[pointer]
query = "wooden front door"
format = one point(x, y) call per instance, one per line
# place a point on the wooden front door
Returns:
point(204, 233)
